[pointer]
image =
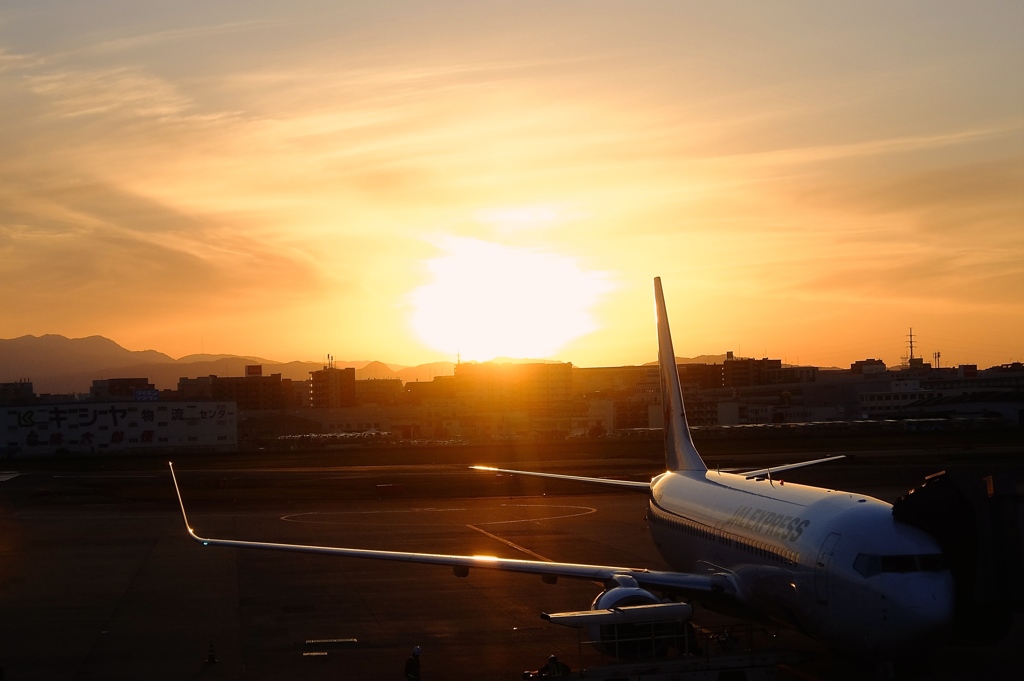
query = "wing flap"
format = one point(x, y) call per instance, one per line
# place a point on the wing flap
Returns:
point(655, 612)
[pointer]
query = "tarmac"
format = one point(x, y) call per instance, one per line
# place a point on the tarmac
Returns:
point(98, 579)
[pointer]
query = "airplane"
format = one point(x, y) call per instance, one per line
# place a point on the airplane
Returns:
point(834, 565)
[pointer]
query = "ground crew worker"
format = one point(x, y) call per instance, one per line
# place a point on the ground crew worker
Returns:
point(412, 665)
point(553, 669)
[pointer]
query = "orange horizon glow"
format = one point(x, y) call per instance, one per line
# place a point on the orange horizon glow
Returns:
point(480, 180)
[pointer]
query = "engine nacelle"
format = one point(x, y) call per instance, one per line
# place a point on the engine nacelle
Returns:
point(633, 640)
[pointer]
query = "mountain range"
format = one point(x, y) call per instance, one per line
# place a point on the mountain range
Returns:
point(57, 365)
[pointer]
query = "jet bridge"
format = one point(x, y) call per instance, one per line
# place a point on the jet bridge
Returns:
point(976, 516)
point(644, 635)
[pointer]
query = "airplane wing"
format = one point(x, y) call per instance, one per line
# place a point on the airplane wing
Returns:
point(768, 472)
point(646, 486)
point(611, 482)
point(673, 582)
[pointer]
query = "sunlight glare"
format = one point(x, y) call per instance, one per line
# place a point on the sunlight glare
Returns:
point(531, 217)
point(488, 300)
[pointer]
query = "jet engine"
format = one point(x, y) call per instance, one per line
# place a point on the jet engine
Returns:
point(630, 640)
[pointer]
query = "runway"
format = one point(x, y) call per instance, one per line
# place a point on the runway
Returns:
point(99, 581)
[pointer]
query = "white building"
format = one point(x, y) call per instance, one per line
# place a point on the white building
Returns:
point(890, 403)
point(102, 427)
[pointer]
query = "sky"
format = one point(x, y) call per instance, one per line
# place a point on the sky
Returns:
point(414, 182)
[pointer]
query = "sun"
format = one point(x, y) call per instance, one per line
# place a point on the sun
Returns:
point(488, 300)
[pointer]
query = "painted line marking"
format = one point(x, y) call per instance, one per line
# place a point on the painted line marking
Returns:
point(90, 477)
point(583, 510)
point(318, 641)
point(515, 546)
point(304, 517)
point(297, 517)
point(4, 477)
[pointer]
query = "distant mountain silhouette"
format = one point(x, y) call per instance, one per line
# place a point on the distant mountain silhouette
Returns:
point(375, 370)
point(702, 359)
point(40, 358)
point(191, 359)
point(425, 372)
point(56, 364)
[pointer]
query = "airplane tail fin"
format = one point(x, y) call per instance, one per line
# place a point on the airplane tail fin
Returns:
point(680, 454)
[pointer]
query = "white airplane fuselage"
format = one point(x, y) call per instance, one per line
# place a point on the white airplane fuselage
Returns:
point(833, 564)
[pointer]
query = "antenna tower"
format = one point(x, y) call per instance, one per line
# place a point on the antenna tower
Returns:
point(911, 342)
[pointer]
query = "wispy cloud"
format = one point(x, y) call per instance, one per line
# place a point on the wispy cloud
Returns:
point(161, 37)
point(92, 242)
point(292, 162)
point(878, 147)
point(110, 93)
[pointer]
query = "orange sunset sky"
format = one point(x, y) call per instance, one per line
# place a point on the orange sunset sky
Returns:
point(406, 181)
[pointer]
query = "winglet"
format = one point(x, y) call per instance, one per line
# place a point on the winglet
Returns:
point(680, 454)
point(182, 503)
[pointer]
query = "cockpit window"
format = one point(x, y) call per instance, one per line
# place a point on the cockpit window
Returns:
point(867, 564)
point(870, 564)
point(933, 562)
point(899, 564)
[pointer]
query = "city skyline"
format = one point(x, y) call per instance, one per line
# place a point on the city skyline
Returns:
point(154, 357)
point(411, 183)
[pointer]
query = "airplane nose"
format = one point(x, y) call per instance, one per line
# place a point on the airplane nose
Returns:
point(922, 607)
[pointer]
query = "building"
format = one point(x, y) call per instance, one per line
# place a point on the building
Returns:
point(122, 389)
point(514, 400)
point(739, 372)
point(296, 393)
point(892, 402)
point(200, 388)
point(19, 392)
point(379, 391)
point(109, 427)
point(608, 380)
point(250, 392)
point(868, 366)
point(438, 407)
point(998, 405)
point(596, 417)
point(790, 374)
point(332, 388)
point(703, 376)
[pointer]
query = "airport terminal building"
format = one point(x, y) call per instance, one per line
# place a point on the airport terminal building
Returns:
point(111, 427)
